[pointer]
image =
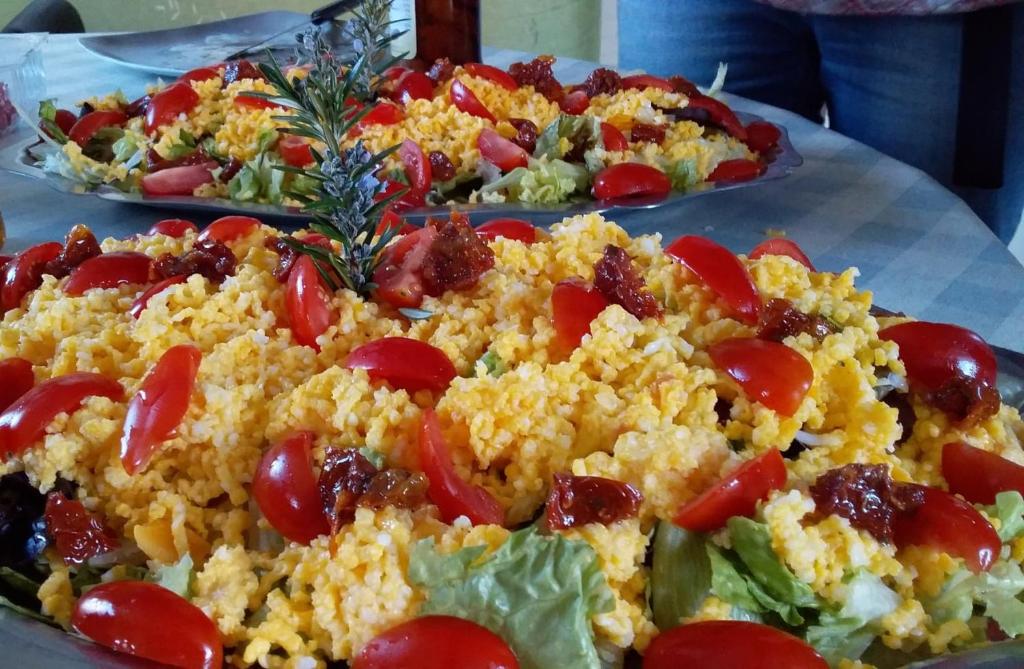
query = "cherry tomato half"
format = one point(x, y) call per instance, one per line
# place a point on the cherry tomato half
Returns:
point(613, 138)
point(149, 621)
point(404, 363)
point(949, 524)
point(24, 422)
point(934, 353)
point(158, 408)
point(453, 496)
point(178, 180)
point(109, 270)
point(308, 303)
point(389, 219)
point(736, 171)
point(255, 102)
point(629, 180)
point(413, 86)
point(164, 108)
point(509, 228)
point(575, 103)
point(229, 228)
point(492, 74)
point(381, 114)
point(722, 273)
point(575, 303)
point(763, 136)
point(726, 644)
point(142, 301)
point(286, 492)
point(173, 227)
point(64, 119)
point(504, 153)
point(93, 122)
point(466, 101)
point(295, 151)
point(978, 475)
point(735, 495)
point(398, 277)
point(720, 115)
point(768, 372)
point(782, 247)
point(436, 642)
point(18, 379)
point(417, 167)
point(24, 273)
point(202, 73)
point(643, 81)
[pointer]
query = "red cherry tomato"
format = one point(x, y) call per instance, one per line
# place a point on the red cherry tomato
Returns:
point(762, 136)
point(149, 621)
point(720, 115)
point(413, 86)
point(381, 114)
point(722, 273)
point(951, 525)
point(142, 301)
point(229, 228)
point(158, 408)
point(575, 103)
point(466, 101)
point(405, 363)
point(735, 171)
point(613, 138)
point(453, 496)
point(643, 81)
point(727, 644)
point(781, 247)
point(630, 180)
point(398, 278)
point(24, 273)
point(492, 74)
point(64, 119)
point(504, 153)
point(164, 108)
point(389, 219)
point(178, 180)
point(509, 228)
point(436, 642)
point(23, 423)
point(173, 227)
point(575, 303)
point(771, 373)
point(286, 492)
point(253, 102)
point(295, 151)
point(933, 353)
point(417, 167)
point(17, 379)
point(77, 534)
point(202, 73)
point(87, 126)
point(978, 475)
point(735, 495)
point(109, 270)
point(308, 302)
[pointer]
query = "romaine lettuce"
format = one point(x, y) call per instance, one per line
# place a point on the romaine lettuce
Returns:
point(546, 182)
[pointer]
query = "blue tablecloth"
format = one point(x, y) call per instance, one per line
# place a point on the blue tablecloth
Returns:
point(918, 246)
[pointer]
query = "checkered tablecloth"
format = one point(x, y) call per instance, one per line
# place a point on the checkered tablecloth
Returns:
point(918, 246)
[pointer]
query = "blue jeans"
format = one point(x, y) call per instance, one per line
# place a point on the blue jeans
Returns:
point(890, 82)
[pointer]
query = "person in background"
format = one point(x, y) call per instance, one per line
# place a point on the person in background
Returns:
point(937, 84)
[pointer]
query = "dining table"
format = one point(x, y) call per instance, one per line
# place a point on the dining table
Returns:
point(918, 247)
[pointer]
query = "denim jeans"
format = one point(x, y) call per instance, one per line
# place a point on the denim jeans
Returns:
point(891, 82)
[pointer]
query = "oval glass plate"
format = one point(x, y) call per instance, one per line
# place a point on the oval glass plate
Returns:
point(783, 161)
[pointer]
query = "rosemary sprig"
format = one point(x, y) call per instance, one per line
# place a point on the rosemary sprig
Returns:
point(346, 205)
point(369, 31)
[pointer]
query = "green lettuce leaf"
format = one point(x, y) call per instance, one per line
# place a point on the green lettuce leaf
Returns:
point(849, 632)
point(376, 458)
point(266, 139)
point(546, 182)
point(753, 542)
point(493, 363)
point(1009, 509)
point(257, 180)
point(680, 574)
point(578, 129)
point(520, 592)
point(997, 590)
point(48, 119)
point(176, 577)
point(683, 174)
point(125, 148)
point(728, 584)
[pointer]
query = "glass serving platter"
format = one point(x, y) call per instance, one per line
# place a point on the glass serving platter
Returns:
point(18, 159)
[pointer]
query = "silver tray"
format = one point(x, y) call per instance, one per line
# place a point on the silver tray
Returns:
point(783, 161)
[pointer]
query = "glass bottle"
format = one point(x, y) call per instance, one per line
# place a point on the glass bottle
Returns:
point(437, 29)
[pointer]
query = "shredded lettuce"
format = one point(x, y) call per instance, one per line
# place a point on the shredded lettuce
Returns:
point(125, 148)
point(546, 182)
point(997, 590)
point(48, 119)
point(493, 364)
point(266, 139)
point(848, 632)
point(376, 458)
point(185, 145)
point(529, 582)
point(753, 542)
point(176, 577)
point(583, 128)
point(1009, 509)
point(257, 180)
point(683, 174)
point(716, 86)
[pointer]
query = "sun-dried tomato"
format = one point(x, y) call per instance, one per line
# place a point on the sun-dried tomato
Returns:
point(237, 70)
point(441, 167)
point(723, 409)
point(441, 70)
point(526, 133)
point(780, 319)
point(155, 162)
point(79, 245)
point(286, 257)
point(538, 73)
point(683, 85)
point(457, 258)
point(618, 280)
point(231, 168)
point(212, 259)
point(344, 477)
point(647, 132)
point(138, 106)
point(579, 500)
point(601, 80)
point(906, 416)
point(866, 496)
point(77, 534)
point(396, 487)
point(966, 401)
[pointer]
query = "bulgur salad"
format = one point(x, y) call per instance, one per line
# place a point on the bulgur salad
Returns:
point(472, 133)
point(579, 450)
